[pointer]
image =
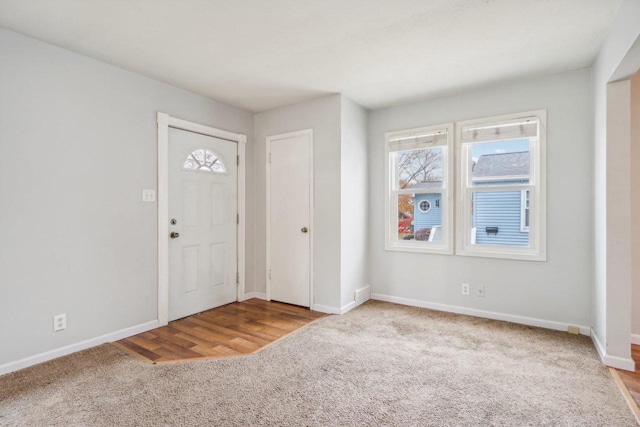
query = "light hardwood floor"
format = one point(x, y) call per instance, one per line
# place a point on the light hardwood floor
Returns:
point(629, 382)
point(632, 379)
point(234, 329)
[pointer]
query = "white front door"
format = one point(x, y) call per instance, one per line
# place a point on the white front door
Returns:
point(289, 217)
point(203, 182)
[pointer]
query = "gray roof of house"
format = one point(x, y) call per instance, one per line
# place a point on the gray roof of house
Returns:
point(502, 164)
point(492, 165)
point(428, 184)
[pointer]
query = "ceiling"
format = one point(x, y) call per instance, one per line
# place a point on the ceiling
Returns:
point(259, 55)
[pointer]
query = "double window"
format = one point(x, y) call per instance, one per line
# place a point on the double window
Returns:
point(500, 201)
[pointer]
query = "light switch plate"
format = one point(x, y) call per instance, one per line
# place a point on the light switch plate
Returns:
point(148, 195)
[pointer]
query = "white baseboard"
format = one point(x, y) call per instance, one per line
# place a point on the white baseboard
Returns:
point(348, 307)
point(362, 295)
point(72, 348)
point(334, 310)
point(635, 339)
point(258, 295)
point(599, 347)
point(326, 309)
point(522, 320)
point(619, 363)
point(626, 364)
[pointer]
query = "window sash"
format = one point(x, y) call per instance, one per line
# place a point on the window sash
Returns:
point(420, 191)
point(467, 216)
point(525, 210)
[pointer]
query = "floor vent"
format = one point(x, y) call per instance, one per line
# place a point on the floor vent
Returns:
point(362, 294)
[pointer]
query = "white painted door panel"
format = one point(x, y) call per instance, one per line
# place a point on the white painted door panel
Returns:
point(289, 215)
point(203, 259)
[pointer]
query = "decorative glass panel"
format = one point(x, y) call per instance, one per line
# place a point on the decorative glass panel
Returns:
point(204, 161)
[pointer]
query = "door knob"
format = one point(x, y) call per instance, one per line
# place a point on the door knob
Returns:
point(174, 235)
point(304, 229)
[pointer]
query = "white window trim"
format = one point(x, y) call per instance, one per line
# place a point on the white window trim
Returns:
point(537, 251)
point(447, 207)
point(523, 211)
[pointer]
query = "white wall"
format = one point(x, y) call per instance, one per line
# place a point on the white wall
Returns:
point(618, 219)
point(354, 201)
point(323, 116)
point(78, 143)
point(556, 290)
point(635, 203)
point(610, 297)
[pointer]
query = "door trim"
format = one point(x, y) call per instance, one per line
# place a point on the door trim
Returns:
point(308, 132)
point(165, 122)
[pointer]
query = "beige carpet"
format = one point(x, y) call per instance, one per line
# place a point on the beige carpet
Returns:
point(381, 364)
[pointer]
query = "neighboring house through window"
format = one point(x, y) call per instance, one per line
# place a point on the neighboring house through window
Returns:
point(497, 215)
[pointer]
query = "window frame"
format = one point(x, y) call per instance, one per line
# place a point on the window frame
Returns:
point(447, 195)
point(523, 211)
point(537, 249)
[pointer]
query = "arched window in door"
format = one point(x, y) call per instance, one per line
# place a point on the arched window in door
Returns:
point(203, 160)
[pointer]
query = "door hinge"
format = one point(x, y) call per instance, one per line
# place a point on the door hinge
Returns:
point(238, 219)
point(269, 157)
point(238, 157)
point(237, 278)
point(269, 275)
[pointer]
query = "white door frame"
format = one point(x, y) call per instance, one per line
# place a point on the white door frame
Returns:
point(308, 132)
point(165, 122)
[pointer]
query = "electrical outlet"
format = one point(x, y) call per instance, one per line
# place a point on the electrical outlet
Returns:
point(480, 291)
point(465, 289)
point(148, 195)
point(59, 322)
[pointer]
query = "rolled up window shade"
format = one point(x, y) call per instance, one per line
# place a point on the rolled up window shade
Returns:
point(418, 141)
point(526, 127)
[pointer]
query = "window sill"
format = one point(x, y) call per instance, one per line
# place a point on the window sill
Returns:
point(424, 249)
point(500, 253)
